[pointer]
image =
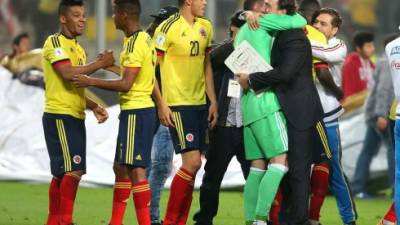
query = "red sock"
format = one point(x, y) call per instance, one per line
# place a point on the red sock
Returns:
point(391, 214)
point(54, 202)
point(68, 188)
point(180, 198)
point(122, 192)
point(188, 202)
point(319, 188)
point(276, 208)
point(141, 197)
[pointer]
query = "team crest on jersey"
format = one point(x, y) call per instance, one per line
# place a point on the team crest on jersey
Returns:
point(395, 50)
point(189, 137)
point(58, 52)
point(203, 32)
point(395, 65)
point(77, 159)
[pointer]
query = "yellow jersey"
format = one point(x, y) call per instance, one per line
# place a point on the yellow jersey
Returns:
point(316, 36)
point(62, 97)
point(184, 48)
point(138, 52)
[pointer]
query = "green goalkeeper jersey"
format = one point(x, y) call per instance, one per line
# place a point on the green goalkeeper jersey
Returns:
point(257, 106)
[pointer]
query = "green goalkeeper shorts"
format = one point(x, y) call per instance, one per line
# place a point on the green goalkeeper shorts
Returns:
point(266, 138)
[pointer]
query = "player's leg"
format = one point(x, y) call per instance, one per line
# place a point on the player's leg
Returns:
point(390, 216)
point(72, 138)
point(339, 184)
point(187, 137)
point(397, 171)
point(123, 184)
point(253, 153)
point(138, 159)
point(320, 173)
point(271, 134)
point(161, 164)
point(218, 157)
point(57, 167)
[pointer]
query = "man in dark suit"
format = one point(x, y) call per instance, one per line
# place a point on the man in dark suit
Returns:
point(292, 81)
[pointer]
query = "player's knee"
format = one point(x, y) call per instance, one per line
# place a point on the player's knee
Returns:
point(281, 167)
point(120, 171)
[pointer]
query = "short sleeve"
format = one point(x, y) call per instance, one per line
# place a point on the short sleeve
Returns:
point(53, 51)
point(161, 39)
point(211, 34)
point(134, 56)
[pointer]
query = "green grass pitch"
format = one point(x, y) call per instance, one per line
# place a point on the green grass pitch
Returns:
point(26, 204)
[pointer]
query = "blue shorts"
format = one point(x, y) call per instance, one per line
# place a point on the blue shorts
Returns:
point(66, 143)
point(190, 128)
point(321, 151)
point(135, 137)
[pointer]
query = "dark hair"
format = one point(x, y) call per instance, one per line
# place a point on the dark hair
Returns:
point(236, 20)
point(249, 4)
point(289, 5)
point(66, 4)
point(181, 2)
point(362, 37)
point(336, 18)
point(309, 5)
point(389, 38)
point(131, 7)
point(17, 39)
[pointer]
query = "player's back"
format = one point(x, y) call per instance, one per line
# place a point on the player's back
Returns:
point(61, 96)
point(138, 52)
point(184, 48)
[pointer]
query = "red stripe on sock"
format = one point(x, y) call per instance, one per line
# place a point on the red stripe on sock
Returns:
point(180, 198)
point(141, 199)
point(122, 191)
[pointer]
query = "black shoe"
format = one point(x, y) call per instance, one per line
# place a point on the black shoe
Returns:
point(351, 223)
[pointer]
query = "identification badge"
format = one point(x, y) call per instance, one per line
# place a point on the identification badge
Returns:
point(234, 89)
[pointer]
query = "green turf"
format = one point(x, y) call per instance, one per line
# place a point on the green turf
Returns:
point(26, 204)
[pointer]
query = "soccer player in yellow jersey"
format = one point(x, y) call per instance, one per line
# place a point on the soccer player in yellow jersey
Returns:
point(138, 116)
point(63, 119)
point(183, 42)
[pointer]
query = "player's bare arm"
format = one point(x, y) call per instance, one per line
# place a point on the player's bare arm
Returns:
point(67, 71)
point(325, 78)
point(164, 112)
point(122, 85)
point(213, 110)
point(99, 112)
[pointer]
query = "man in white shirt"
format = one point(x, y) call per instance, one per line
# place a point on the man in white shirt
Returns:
point(328, 21)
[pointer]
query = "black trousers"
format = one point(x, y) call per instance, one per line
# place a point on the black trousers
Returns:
point(225, 142)
point(296, 185)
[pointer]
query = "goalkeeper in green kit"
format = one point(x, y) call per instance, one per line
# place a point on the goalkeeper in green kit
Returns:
point(265, 131)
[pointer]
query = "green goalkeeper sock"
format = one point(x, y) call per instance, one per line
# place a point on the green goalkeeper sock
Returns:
point(251, 193)
point(267, 190)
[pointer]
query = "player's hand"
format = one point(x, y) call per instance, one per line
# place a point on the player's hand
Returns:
point(252, 19)
point(244, 81)
point(106, 58)
point(381, 123)
point(100, 113)
point(166, 117)
point(213, 115)
point(81, 81)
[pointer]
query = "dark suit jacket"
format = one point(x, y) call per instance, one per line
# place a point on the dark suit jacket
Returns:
point(292, 80)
